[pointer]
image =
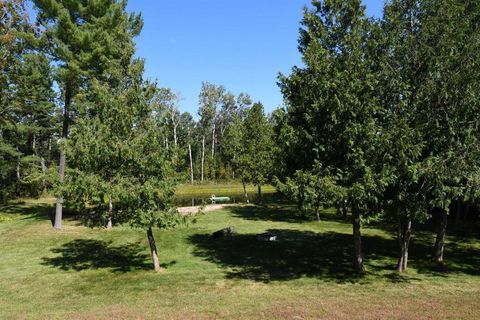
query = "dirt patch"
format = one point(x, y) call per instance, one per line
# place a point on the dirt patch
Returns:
point(207, 208)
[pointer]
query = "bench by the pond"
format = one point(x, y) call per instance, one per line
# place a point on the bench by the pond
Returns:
point(216, 199)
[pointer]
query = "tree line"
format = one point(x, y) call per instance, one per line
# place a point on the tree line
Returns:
point(382, 118)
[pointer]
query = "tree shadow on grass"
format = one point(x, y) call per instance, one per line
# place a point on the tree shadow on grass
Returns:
point(295, 254)
point(459, 256)
point(270, 212)
point(283, 211)
point(82, 254)
point(39, 212)
point(328, 256)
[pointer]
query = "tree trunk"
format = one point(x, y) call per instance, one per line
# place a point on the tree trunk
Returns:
point(175, 135)
point(191, 163)
point(437, 255)
point(458, 213)
point(44, 173)
point(357, 242)
point(404, 234)
point(153, 250)
point(61, 165)
point(245, 195)
point(213, 141)
point(260, 192)
point(110, 212)
point(203, 156)
point(19, 176)
point(344, 210)
point(233, 168)
point(317, 213)
point(34, 144)
point(467, 211)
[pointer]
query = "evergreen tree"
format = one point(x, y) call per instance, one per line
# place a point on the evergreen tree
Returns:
point(333, 107)
point(27, 111)
point(122, 170)
point(257, 157)
point(86, 40)
point(430, 94)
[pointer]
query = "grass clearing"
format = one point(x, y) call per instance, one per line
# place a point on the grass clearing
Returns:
point(218, 189)
point(82, 273)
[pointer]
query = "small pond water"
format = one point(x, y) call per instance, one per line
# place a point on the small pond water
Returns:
point(186, 200)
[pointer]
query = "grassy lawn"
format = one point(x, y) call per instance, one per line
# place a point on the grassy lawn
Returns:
point(221, 188)
point(82, 273)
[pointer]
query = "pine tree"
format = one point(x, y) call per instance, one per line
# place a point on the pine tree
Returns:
point(86, 40)
point(27, 111)
point(257, 157)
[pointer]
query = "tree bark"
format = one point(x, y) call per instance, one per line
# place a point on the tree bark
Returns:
point(153, 250)
point(245, 195)
point(404, 234)
point(110, 212)
point(437, 255)
point(44, 173)
point(260, 192)
point(19, 176)
point(203, 156)
point(34, 144)
point(458, 213)
point(213, 141)
point(174, 124)
point(467, 211)
point(191, 163)
point(61, 166)
point(357, 242)
point(317, 213)
point(344, 210)
point(233, 168)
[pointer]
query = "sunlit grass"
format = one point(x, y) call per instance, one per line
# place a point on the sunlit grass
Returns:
point(82, 273)
point(218, 189)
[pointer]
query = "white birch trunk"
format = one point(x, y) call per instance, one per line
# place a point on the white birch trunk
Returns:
point(213, 141)
point(110, 211)
point(203, 156)
point(191, 163)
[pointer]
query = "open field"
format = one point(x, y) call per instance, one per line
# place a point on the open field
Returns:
point(82, 273)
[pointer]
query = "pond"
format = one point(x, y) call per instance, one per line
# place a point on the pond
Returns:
point(186, 200)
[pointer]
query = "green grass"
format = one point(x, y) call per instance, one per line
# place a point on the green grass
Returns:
point(220, 188)
point(82, 273)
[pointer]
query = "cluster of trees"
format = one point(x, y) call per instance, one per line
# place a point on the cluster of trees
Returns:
point(28, 114)
point(382, 118)
point(217, 146)
point(78, 120)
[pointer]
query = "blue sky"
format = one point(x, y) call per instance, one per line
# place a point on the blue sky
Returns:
point(242, 45)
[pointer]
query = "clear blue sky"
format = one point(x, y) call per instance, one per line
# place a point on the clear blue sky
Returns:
point(242, 45)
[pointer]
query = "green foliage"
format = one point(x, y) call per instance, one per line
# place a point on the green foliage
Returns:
point(312, 190)
point(332, 102)
point(27, 110)
point(256, 158)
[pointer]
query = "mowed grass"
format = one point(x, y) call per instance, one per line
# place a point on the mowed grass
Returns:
point(82, 273)
point(209, 188)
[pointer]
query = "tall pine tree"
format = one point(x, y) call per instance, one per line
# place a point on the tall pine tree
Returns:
point(86, 40)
